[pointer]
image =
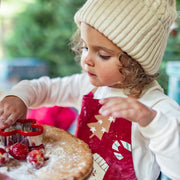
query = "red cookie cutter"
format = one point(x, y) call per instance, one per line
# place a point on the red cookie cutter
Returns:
point(25, 131)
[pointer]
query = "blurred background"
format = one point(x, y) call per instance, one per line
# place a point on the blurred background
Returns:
point(35, 37)
point(35, 34)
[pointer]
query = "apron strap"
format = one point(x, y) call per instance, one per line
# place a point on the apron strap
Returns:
point(94, 90)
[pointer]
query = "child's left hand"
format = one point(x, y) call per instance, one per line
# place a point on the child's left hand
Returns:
point(128, 108)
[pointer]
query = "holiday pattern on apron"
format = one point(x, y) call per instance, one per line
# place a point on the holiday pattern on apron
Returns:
point(109, 139)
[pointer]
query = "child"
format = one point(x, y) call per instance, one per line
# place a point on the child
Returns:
point(132, 127)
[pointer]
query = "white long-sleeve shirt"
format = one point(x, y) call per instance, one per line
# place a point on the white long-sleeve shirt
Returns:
point(155, 147)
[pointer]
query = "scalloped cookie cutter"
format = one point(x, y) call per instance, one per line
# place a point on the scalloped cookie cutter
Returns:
point(25, 131)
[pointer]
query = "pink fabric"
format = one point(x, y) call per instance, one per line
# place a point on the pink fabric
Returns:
point(60, 117)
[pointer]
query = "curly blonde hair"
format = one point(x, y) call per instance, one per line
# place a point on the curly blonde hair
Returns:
point(135, 78)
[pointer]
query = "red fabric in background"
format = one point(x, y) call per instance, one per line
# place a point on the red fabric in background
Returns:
point(60, 117)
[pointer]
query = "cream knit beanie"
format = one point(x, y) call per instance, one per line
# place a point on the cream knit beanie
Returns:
point(139, 27)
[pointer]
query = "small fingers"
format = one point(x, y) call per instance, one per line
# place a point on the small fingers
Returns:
point(11, 109)
point(128, 108)
point(1, 112)
point(127, 114)
point(113, 106)
point(6, 120)
point(9, 119)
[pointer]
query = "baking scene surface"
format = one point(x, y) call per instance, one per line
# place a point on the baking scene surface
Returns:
point(66, 157)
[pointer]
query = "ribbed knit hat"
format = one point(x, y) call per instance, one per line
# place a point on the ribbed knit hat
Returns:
point(139, 27)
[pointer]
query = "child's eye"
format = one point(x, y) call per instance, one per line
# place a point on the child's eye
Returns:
point(83, 48)
point(104, 57)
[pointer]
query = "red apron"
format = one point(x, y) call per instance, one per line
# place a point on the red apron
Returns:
point(109, 140)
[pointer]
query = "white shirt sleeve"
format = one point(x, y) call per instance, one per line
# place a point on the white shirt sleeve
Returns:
point(66, 91)
point(164, 136)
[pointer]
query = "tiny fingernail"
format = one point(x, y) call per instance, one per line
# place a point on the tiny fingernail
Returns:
point(2, 126)
point(105, 113)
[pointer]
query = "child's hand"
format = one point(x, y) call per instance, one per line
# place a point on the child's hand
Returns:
point(11, 109)
point(128, 108)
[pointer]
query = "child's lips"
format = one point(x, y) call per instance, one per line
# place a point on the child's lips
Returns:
point(91, 74)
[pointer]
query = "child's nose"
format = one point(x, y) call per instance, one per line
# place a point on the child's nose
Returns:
point(89, 59)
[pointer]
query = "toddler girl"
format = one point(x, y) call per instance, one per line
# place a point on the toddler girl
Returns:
point(132, 127)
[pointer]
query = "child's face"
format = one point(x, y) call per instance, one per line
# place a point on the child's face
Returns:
point(100, 58)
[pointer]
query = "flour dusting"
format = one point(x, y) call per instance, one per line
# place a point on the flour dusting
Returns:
point(66, 157)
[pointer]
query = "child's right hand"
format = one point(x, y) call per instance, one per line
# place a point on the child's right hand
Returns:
point(12, 108)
